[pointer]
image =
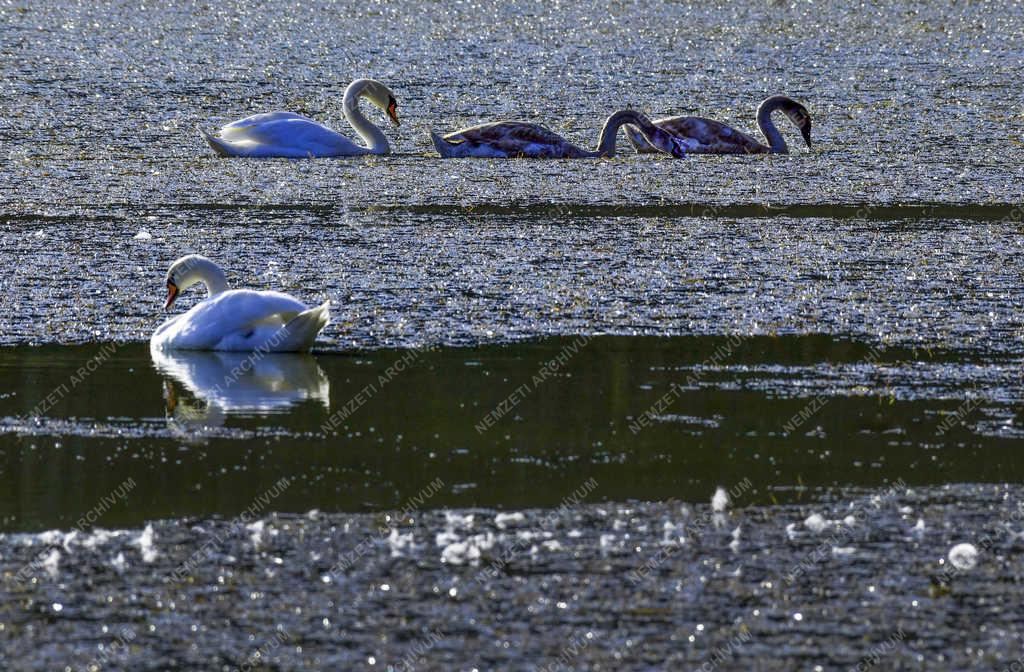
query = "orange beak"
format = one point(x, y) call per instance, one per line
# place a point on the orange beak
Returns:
point(393, 113)
point(172, 294)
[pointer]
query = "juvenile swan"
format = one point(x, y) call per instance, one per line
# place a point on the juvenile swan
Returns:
point(521, 139)
point(291, 135)
point(241, 320)
point(714, 137)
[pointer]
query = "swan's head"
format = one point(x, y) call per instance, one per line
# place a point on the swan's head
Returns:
point(668, 143)
point(381, 96)
point(799, 115)
point(190, 270)
point(662, 140)
point(802, 118)
point(796, 112)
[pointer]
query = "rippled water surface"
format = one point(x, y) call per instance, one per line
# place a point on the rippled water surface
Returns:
point(430, 279)
point(604, 587)
point(911, 103)
point(501, 452)
point(501, 426)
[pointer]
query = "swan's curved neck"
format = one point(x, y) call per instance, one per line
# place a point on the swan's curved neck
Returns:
point(767, 126)
point(606, 144)
point(210, 274)
point(376, 141)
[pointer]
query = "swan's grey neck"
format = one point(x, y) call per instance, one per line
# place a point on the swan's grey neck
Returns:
point(376, 141)
point(767, 126)
point(210, 274)
point(606, 144)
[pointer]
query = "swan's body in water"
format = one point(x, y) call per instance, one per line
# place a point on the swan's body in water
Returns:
point(291, 135)
point(240, 320)
point(714, 137)
point(521, 139)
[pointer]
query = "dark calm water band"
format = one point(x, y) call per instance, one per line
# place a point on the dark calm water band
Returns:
point(506, 426)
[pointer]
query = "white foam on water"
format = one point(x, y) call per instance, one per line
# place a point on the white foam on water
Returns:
point(816, 523)
point(720, 500)
point(457, 520)
point(256, 533)
point(504, 520)
point(51, 563)
point(734, 545)
point(467, 551)
point(145, 543)
point(400, 543)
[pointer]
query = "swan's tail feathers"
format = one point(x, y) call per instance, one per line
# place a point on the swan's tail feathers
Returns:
point(639, 142)
point(216, 144)
point(302, 330)
point(444, 148)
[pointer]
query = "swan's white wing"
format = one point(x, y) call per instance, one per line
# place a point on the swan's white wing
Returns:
point(264, 118)
point(239, 319)
point(286, 134)
point(257, 119)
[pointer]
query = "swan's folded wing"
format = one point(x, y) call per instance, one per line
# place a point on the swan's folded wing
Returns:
point(258, 119)
point(508, 136)
point(257, 307)
point(296, 133)
point(713, 136)
point(236, 314)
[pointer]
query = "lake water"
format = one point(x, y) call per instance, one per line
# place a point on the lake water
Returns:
point(504, 426)
point(502, 451)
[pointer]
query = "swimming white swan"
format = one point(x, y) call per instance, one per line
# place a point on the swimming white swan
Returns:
point(521, 139)
point(241, 320)
point(714, 137)
point(291, 135)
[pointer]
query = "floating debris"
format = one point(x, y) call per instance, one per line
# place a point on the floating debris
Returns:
point(720, 500)
point(145, 543)
point(964, 556)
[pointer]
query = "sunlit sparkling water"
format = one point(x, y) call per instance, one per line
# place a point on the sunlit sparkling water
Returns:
point(848, 316)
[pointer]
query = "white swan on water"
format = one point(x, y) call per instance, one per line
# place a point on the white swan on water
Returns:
point(291, 135)
point(241, 320)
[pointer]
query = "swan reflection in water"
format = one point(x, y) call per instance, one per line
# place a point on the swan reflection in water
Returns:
point(235, 383)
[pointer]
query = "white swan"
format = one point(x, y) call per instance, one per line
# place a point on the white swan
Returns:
point(241, 320)
point(291, 135)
